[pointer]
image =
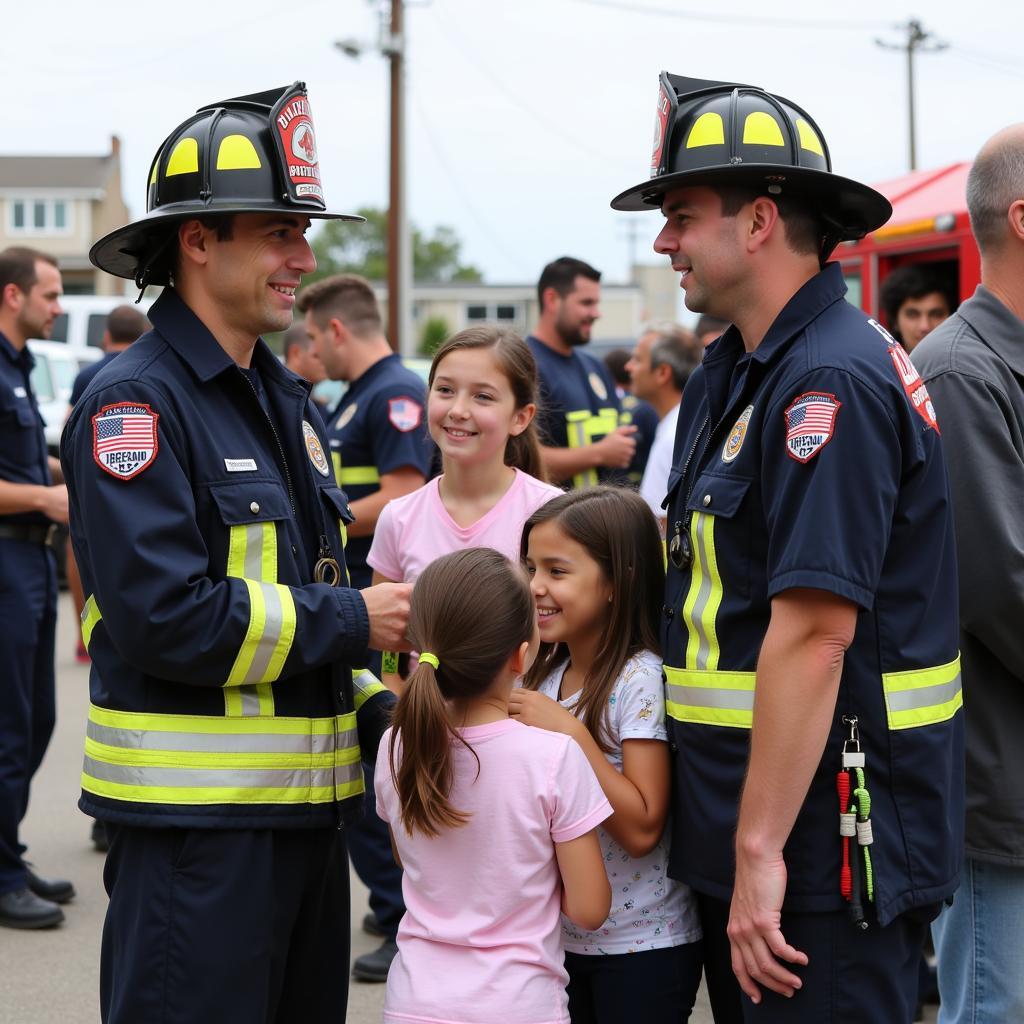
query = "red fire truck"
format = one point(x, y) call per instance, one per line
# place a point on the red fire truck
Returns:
point(929, 225)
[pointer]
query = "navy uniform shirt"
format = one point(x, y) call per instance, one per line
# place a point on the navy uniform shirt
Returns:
point(578, 404)
point(816, 462)
point(642, 415)
point(377, 428)
point(23, 456)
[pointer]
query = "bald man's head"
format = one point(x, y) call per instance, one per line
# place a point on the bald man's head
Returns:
point(995, 183)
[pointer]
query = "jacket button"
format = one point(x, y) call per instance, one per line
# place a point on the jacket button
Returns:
point(254, 507)
point(673, 746)
point(668, 611)
point(707, 500)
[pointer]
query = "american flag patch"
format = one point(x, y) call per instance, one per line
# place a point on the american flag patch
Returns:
point(124, 440)
point(810, 423)
point(404, 414)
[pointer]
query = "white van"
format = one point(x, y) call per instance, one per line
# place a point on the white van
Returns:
point(84, 319)
point(53, 375)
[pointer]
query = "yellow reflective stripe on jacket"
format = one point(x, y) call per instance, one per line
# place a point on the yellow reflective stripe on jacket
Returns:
point(704, 598)
point(710, 698)
point(923, 696)
point(353, 476)
point(582, 428)
point(185, 759)
point(366, 685)
point(91, 616)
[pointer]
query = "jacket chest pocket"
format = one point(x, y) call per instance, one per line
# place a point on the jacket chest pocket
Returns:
point(250, 510)
point(21, 426)
point(720, 538)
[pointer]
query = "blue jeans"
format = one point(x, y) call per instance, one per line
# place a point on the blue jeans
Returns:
point(978, 942)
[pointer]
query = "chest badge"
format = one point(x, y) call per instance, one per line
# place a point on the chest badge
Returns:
point(346, 417)
point(124, 439)
point(315, 450)
point(597, 385)
point(738, 434)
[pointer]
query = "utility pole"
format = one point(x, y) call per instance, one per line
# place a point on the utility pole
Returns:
point(917, 39)
point(632, 231)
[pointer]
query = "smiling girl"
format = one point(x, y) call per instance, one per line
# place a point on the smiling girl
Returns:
point(480, 410)
point(595, 562)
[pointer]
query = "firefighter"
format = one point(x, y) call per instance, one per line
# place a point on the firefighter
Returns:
point(810, 621)
point(225, 728)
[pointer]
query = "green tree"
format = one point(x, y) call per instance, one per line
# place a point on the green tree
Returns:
point(342, 247)
point(434, 334)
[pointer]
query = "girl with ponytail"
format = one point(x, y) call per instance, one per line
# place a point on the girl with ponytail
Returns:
point(493, 822)
point(480, 410)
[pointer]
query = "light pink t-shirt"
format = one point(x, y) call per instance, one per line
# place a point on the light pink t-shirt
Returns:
point(481, 937)
point(414, 530)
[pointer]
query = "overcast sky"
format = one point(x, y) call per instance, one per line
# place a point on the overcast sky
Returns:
point(525, 118)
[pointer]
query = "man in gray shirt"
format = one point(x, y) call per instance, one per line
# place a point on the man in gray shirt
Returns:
point(973, 365)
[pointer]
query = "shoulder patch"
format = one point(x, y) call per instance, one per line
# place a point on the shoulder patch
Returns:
point(124, 438)
point(404, 413)
point(810, 424)
point(315, 450)
point(597, 385)
point(913, 385)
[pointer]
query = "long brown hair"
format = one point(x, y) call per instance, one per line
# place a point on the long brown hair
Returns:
point(619, 532)
point(472, 609)
point(516, 362)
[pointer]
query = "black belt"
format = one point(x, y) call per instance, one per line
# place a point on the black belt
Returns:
point(34, 533)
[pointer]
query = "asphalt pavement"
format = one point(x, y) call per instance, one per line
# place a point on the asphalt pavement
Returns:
point(52, 976)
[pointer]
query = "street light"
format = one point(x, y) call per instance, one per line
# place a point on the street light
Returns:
point(391, 44)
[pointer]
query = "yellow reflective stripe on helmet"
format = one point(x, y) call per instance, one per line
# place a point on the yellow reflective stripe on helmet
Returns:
point(184, 158)
point(704, 597)
point(924, 696)
point(710, 698)
point(808, 137)
point(761, 129)
point(185, 759)
point(91, 616)
point(354, 476)
point(237, 153)
point(707, 130)
point(366, 685)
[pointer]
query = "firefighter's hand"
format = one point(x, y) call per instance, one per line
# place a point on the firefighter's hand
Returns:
point(387, 605)
point(53, 502)
point(616, 450)
point(755, 932)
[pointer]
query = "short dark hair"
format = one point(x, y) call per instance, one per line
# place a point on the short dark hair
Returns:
point(910, 282)
point(673, 347)
point(803, 226)
point(346, 297)
point(994, 183)
point(616, 362)
point(18, 267)
point(561, 275)
point(125, 324)
point(296, 336)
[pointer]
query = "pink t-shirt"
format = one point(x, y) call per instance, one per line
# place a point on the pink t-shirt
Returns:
point(414, 530)
point(481, 937)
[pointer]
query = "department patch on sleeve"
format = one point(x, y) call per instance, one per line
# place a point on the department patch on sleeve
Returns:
point(913, 385)
point(810, 424)
point(404, 414)
point(124, 439)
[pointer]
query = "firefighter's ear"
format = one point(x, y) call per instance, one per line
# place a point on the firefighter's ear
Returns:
point(1015, 216)
point(192, 242)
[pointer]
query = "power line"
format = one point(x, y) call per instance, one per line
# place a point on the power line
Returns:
point(827, 25)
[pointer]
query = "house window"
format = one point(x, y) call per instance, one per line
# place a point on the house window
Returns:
point(39, 216)
point(503, 312)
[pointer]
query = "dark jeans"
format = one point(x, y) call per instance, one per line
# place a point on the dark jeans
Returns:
point(28, 616)
point(658, 986)
point(852, 977)
point(218, 926)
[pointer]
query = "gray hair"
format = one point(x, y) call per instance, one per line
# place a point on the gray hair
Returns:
point(674, 346)
point(995, 182)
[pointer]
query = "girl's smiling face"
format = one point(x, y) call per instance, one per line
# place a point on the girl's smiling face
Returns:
point(572, 593)
point(471, 411)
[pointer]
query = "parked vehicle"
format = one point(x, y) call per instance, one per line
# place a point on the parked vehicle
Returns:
point(53, 376)
point(84, 319)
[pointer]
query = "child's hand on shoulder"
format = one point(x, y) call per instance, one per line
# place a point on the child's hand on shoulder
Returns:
point(540, 711)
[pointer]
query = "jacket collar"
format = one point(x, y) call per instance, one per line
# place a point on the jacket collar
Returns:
point(23, 358)
point(199, 349)
point(996, 326)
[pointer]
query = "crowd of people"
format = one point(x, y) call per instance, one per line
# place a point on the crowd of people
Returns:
point(608, 675)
